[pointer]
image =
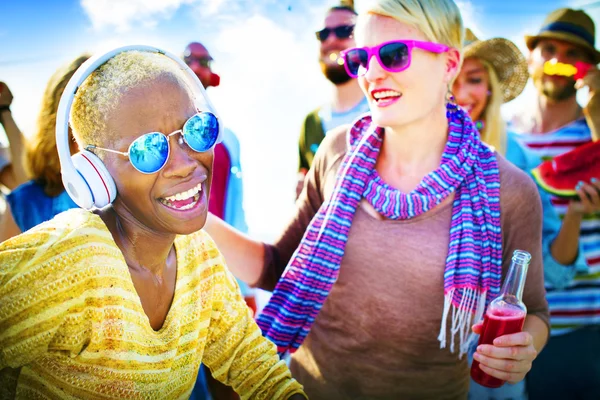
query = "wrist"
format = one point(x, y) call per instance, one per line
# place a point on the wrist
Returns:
point(4, 110)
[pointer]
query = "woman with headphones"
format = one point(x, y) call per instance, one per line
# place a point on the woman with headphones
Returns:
point(126, 301)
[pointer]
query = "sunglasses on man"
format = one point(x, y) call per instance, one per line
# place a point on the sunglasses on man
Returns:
point(341, 32)
point(205, 62)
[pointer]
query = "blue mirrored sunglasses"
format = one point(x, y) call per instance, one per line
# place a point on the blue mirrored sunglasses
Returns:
point(149, 153)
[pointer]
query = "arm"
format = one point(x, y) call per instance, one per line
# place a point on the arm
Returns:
point(261, 265)
point(561, 249)
point(236, 352)
point(14, 174)
point(592, 109)
point(245, 256)
point(8, 226)
point(511, 356)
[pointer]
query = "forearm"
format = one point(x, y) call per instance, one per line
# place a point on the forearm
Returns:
point(17, 143)
point(565, 247)
point(244, 257)
point(538, 329)
point(592, 116)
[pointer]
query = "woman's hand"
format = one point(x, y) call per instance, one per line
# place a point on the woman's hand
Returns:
point(509, 358)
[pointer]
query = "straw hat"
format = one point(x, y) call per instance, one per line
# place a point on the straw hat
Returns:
point(573, 26)
point(507, 60)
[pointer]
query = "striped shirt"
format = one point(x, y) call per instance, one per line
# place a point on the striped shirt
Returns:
point(72, 324)
point(578, 304)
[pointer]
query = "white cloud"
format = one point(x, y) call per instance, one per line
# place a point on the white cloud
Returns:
point(123, 14)
point(471, 14)
point(270, 81)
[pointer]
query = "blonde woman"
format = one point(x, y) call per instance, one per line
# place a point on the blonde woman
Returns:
point(44, 196)
point(379, 253)
point(126, 301)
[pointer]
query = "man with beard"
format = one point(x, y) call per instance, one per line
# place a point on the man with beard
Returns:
point(347, 102)
point(569, 366)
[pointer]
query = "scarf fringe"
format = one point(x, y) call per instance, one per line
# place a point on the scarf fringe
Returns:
point(462, 318)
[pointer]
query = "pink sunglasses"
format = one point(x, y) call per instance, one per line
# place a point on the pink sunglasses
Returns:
point(393, 56)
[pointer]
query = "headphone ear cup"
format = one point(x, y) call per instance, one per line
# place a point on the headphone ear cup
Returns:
point(100, 185)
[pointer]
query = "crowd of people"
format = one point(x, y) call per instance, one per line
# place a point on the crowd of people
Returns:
point(127, 271)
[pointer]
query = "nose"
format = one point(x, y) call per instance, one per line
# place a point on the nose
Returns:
point(180, 163)
point(375, 72)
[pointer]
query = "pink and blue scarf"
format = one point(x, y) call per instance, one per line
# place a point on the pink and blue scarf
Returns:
point(468, 169)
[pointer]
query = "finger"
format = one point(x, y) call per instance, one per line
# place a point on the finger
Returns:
point(593, 195)
point(501, 364)
point(514, 339)
point(477, 328)
point(518, 353)
point(583, 198)
point(511, 377)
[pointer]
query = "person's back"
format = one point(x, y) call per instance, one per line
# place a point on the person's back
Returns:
point(30, 205)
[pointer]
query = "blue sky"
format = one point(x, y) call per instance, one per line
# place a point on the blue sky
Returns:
point(265, 53)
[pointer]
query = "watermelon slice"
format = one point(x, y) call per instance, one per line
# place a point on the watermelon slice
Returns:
point(560, 175)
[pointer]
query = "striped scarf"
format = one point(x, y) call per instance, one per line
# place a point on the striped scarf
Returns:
point(468, 169)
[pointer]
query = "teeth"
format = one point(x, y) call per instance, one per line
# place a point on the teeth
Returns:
point(185, 195)
point(182, 208)
point(385, 93)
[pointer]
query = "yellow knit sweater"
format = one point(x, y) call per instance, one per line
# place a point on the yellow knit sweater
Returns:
point(72, 324)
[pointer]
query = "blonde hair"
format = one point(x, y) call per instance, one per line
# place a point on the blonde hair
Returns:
point(41, 156)
point(439, 20)
point(494, 127)
point(101, 91)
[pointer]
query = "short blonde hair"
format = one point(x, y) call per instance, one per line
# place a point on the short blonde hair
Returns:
point(439, 20)
point(494, 127)
point(41, 156)
point(100, 93)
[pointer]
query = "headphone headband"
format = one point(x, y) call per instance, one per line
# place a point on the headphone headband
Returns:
point(74, 178)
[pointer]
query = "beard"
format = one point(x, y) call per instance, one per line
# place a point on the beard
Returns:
point(556, 91)
point(335, 73)
point(559, 93)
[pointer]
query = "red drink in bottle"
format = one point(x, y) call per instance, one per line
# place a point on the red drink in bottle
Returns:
point(505, 314)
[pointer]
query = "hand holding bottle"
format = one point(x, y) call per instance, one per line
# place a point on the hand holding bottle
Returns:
point(505, 353)
point(509, 358)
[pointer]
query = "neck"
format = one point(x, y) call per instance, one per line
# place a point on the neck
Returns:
point(551, 115)
point(346, 96)
point(142, 248)
point(410, 152)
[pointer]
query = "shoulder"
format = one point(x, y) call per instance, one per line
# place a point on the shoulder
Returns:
point(518, 193)
point(332, 148)
point(61, 237)
point(58, 258)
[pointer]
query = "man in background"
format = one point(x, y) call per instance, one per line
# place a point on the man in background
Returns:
point(347, 100)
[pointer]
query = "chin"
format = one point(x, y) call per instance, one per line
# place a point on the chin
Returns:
point(391, 118)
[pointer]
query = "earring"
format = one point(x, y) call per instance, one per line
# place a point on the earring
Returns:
point(489, 93)
point(451, 106)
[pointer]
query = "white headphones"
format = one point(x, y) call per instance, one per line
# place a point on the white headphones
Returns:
point(84, 176)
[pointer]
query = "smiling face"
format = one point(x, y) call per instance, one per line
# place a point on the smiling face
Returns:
point(471, 88)
point(401, 98)
point(173, 200)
